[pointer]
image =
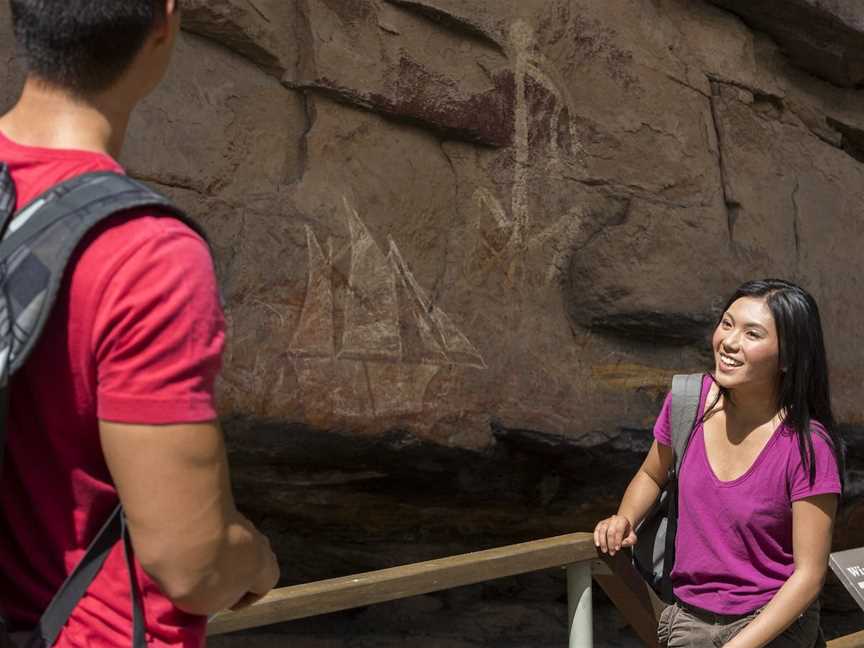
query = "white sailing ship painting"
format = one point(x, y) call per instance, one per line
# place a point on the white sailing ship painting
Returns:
point(378, 352)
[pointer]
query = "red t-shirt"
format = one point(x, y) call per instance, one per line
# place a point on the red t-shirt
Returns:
point(136, 336)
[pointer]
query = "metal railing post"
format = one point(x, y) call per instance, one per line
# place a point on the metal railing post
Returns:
point(579, 605)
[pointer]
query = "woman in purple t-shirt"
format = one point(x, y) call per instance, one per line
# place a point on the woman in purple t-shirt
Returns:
point(758, 485)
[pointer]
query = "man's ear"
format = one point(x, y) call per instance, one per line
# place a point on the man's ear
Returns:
point(165, 29)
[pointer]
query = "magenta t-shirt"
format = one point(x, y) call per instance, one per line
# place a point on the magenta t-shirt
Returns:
point(733, 550)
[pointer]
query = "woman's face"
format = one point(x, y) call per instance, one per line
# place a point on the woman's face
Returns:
point(746, 349)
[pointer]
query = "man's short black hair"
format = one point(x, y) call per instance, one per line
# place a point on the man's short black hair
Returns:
point(82, 46)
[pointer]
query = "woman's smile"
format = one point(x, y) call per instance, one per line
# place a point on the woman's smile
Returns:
point(728, 363)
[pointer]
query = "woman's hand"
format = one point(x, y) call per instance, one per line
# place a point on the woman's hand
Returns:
point(613, 534)
point(616, 532)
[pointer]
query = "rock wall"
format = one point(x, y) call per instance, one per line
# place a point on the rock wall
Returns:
point(464, 246)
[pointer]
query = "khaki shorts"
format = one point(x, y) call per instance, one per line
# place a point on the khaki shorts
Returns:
point(682, 626)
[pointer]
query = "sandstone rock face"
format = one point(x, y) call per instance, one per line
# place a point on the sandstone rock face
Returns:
point(379, 64)
point(260, 31)
point(464, 245)
point(11, 76)
point(823, 36)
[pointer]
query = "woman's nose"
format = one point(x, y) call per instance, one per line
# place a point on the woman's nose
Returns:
point(730, 342)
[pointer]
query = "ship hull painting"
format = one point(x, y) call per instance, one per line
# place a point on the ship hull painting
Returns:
point(392, 340)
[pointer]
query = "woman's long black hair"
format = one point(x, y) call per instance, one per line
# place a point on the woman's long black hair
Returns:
point(804, 393)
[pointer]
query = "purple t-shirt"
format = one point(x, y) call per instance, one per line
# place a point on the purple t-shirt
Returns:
point(734, 541)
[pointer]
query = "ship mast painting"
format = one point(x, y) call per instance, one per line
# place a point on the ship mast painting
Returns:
point(378, 353)
point(533, 72)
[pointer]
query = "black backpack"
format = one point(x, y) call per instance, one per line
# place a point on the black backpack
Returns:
point(36, 245)
point(654, 553)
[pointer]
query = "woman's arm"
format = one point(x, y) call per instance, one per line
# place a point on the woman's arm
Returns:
point(812, 526)
point(613, 533)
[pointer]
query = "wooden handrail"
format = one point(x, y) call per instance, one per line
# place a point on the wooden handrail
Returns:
point(849, 641)
point(359, 590)
point(632, 596)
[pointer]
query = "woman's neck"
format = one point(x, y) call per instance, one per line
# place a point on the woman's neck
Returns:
point(751, 407)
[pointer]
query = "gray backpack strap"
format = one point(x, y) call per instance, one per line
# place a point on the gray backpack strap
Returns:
point(39, 242)
point(686, 395)
point(55, 616)
point(8, 196)
point(654, 553)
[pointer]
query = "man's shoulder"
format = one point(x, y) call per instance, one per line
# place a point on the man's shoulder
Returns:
point(146, 239)
point(146, 225)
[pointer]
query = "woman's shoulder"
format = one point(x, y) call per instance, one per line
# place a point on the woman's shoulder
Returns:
point(822, 440)
point(817, 431)
point(826, 467)
point(820, 436)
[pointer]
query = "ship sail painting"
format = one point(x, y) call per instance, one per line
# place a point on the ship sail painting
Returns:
point(378, 352)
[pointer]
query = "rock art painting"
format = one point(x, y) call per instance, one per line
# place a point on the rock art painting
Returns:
point(391, 340)
point(533, 72)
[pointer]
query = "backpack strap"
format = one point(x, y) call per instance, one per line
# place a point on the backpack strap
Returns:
point(39, 241)
point(71, 592)
point(8, 199)
point(686, 395)
point(139, 626)
point(8, 196)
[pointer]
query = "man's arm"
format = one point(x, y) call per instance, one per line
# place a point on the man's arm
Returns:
point(186, 532)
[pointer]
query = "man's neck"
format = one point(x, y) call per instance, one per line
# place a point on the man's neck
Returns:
point(50, 118)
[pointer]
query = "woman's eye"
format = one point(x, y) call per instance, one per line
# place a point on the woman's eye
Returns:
point(753, 335)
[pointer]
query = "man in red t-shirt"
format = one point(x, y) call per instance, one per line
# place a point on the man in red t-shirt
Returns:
point(117, 397)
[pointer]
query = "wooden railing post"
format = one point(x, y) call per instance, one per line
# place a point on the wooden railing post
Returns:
point(580, 608)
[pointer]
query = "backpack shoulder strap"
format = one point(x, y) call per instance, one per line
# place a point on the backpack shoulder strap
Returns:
point(686, 393)
point(66, 599)
point(39, 241)
point(8, 196)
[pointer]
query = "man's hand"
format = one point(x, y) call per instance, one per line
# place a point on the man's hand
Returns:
point(267, 580)
point(613, 534)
